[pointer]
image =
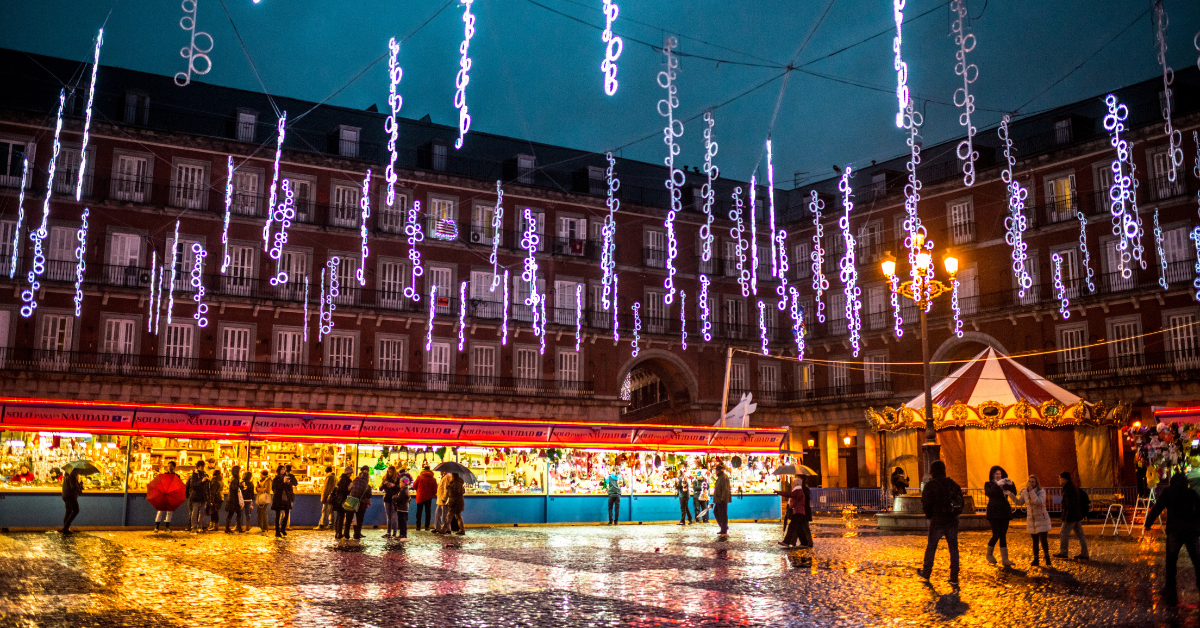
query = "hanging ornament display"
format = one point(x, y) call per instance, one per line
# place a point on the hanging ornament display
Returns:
point(780, 240)
point(412, 229)
point(849, 271)
point(364, 204)
point(1083, 248)
point(1060, 289)
point(675, 177)
point(820, 282)
point(38, 236)
point(578, 315)
point(682, 320)
point(462, 316)
point(962, 96)
point(798, 330)
point(306, 308)
point(897, 319)
point(762, 325)
point(616, 305)
point(283, 215)
point(391, 124)
point(225, 259)
point(529, 274)
point(1015, 223)
point(753, 237)
point(497, 226)
point(899, 64)
point(80, 265)
point(281, 130)
point(504, 312)
point(158, 295)
point(612, 51)
point(328, 295)
point(637, 324)
point(705, 320)
point(1174, 136)
point(174, 266)
point(956, 307)
point(738, 234)
point(87, 120)
point(198, 254)
point(916, 239)
point(193, 52)
point(1158, 245)
point(150, 301)
point(432, 310)
point(707, 192)
point(464, 76)
point(16, 241)
point(608, 231)
point(1124, 227)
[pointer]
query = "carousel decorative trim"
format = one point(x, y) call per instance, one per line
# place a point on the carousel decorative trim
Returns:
point(993, 415)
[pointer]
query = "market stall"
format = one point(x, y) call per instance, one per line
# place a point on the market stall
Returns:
point(528, 471)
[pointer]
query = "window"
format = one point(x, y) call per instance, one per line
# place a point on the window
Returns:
point(1126, 345)
point(119, 341)
point(55, 340)
point(1160, 168)
point(66, 171)
point(443, 218)
point(344, 210)
point(1112, 281)
point(246, 195)
point(295, 263)
point(348, 287)
point(190, 186)
point(60, 253)
point(439, 152)
point(247, 122)
point(124, 257)
point(564, 302)
point(438, 371)
point(655, 314)
point(339, 355)
point(177, 346)
point(875, 372)
point(487, 303)
point(483, 364)
point(391, 217)
point(735, 317)
point(235, 350)
point(568, 369)
point(289, 351)
point(962, 221)
point(12, 163)
point(1182, 341)
point(597, 181)
point(7, 232)
point(876, 307)
point(737, 378)
point(185, 259)
point(572, 236)
point(239, 277)
point(879, 184)
point(1070, 271)
point(390, 357)
point(839, 377)
point(527, 367)
point(1033, 294)
point(393, 276)
point(520, 292)
point(804, 377)
point(870, 242)
point(968, 290)
point(525, 168)
point(1177, 249)
point(137, 108)
point(1072, 354)
point(131, 181)
point(5, 315)
point(836, 315)
point(768, 381)
point(731, 257)
point(801, 260)
point(441, 277)
point(1062, 131)
point(655, 254)
point(1061, 199)
point(539, 217)
point(348, 141)
point(302, 197)
point(482, 231)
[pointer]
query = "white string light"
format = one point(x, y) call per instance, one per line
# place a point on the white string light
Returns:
point(1083, 248)
point(1124, 227)
point(529, 274)
point(776, 271)
point(150, 304)
point(637, 322)
point(1136, 250)
point(899, 64)
point(738, 233)
point(579, 315)
point(753, 237)
point(707, 192)
point(29, 295)
point(542, 329)
point(16, 241)
point(1174, 136)
point(80, 264)
point(497, 226)
point(412, 229)
point(162, 272)
point(1060, 289)
point(331, 265)
point(781, 289)
point(897, 319)
point(849, 272)
point(675, 177)
point(462, 315)
point(962, 96)
point(283, 215)
point(391, 124)
point(464, 76)
point(87, 120)
point(364, 204)
point(820, 283)
point(797, 312)
point(1195, 236)
point(1015, 222)
point(321, 309)
point(225, 259)
point(192, 52)
point(306, 308)
point(612, 51)
point(198, 285)
point(916, 240)
point(281, 127)
point(429, 326)
point(174, 265)
point(762, 325)
point(616, 322)
point(682, 320)
point(1162, 259)
point(608, 262)
point(956, 307)
point(705, 322)
point(504, 313)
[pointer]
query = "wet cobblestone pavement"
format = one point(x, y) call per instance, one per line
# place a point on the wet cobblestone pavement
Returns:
point(568, 576)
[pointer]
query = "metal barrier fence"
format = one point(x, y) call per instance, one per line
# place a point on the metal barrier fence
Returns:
point(875, 499)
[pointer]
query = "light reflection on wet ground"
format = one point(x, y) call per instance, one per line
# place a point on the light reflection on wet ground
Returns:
point(568, 576)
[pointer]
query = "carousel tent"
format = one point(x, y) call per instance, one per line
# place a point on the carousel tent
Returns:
point(994, 411)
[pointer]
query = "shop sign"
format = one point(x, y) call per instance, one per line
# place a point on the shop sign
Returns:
point(500, 432)
point(409, 430)
point(761, 440)
point(307, 426)
point(568, 435)
point(82, 419)
point(684, 438)
point(151, 420)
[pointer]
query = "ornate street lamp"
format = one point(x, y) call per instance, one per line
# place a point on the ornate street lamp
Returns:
point(923, 289)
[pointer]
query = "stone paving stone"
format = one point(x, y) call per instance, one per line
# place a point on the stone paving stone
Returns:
point(42, 576)
point(102, 619)
point(597, 560)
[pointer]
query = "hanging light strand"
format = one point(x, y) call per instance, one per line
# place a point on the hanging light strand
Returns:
point(497, 227)
point(1060, 288)
point(762, 326)
point(38, 236)
point(705, 314)
point(780, 240)
point(225, 259)
point(675, 177)
point(798, 330)
point(899, 64)
point(283, 215)
point(87, 120)
point(962, 96)
point(608, 263)
point(579, 315)
point(637, 325)
point(80, 264)
point(682, 320)
point(1015, 223)
point(504, 312)
point(281, 129)
point(462, 316)
point(432, 310)
point(464, 74)
point(612, 51)
point(738, 234)
point(1124, 227)
point(753, 237)
point(956, 307)
point(849, 271)
point(198, 255)
point(1158, 245)
point(1083, 248)
point(897, 319)
point(364, 203)
point(16, 241)
point(412, 229)
point(776, 272)
point(391, 124)
point(150, 304)
point(174, 266)
point(1174, 136)
point(707, 192)
point(820, 282)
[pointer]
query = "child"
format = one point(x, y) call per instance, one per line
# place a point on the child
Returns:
point(400, 500)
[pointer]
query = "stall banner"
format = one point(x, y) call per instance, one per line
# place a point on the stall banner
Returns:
point(409, 430)
point(571, 435)
point(323, 427)
point(493, 432)
point(743, 440)
point(156, 421)
point(680, 438)
point(69, 418)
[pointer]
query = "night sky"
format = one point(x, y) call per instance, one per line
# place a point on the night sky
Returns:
point(536, 64)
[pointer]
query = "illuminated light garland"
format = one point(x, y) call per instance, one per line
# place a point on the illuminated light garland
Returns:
point(29, 295)
point(1060, 289)
point(797, 312)
point(281, 126)
point(682, 320)
point(462, 315)
point(898, 320)
point(705, 322)
point(150, 305)
point(283, 215)
point(637, 323)
point(738, 233)
point(899, 64)
point(762, 326)
point(162, 272)
point(171, 286)
point(529, 273)
point(608, 261)
point(707, 192)
point(956, 307)
point(613, 50)
point(675, 177)
point(16, 241)
point(1174, 136)
point(80, 264)
point(1195, 236)
point(753, 238)
point(916, 239)
point(327, 296)
point(1137, 250)
point(306, 308)
point(962, 96)
point(87, 120)
point(781, 289)
point(445, 229)
point(1162, 259)
point(820, 282)
point(364, 204)
point(1016, 222)
point(776, 271)
point(464, 76)
point(412, 229)
point(542, 332)
point(616, 318)
point(191, 52)
point(497, 225)
point(1124, 227)
point(504, 313)
point(849, 272)
point(198, 285)
point(321, 309)
point(225, 259)
point(391, 124)
point(429, 325)
point(1083, 248)
point(579, 316)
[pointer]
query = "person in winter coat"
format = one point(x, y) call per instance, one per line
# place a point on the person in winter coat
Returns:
point(941, 498)
point(899, 482)
point(390, 486)
point(722, 495)
point(683, 490)
point(158, 518)
point(1072, 519)
point(799, 511)
point(700, 496)
point(281, 501)
point(262, 499)
point(360, 488)
point(613, 484)
point(216, 498)
point(999, 512)
point(441, 523)
point(197, 495)
point(233, 502)
point(400, 500)
point(427, 487)
point(1183, 530)
point(247, 497)
point(72, 488)
point(326, 496)
point(341, 518)
point(1037, 517)
point(456, 503)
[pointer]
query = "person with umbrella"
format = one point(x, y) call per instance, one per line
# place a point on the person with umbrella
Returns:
point(72, 488)
point(799, 506)
point(165, 492)
point(456, 503)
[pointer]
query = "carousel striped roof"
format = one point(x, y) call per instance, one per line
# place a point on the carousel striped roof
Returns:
point(991, 377)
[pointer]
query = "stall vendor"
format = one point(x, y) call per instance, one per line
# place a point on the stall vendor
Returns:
point(24, 476)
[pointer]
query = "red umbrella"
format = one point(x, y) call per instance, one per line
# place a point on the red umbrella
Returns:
point(166, 492)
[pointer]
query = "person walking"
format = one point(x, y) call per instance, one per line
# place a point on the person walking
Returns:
point(1183, 530)
point(799, 513)
point(360, 488)
point(390, 486)
point(326, 499)
point(165, 514)
point(262, 499)
point(999, 512)
point(1037, 517)
point(700, 495)
point(233, 502)
point(280, 502)
point(289, 490)
point(1072, 518)
point(722, 496)
point(401, 500)
point(427, 487)
point(216, 494)
point(613, 483)
point(441, 524)
point(247, 497)
point(683, 490)
point(942, 501)
point(72, 488)
point(456, 503)
point(197, 495)
point(341, 525)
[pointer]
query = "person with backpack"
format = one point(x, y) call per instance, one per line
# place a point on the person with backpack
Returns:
point(1183, 530)
point(1037, 517)
point(197, 496)
point(613, 484)
point(700, 496)
point(942, 501)
point(1075, 505)
point(999, 512)
point(360, 489)
point(341, 518)
point(683, 490)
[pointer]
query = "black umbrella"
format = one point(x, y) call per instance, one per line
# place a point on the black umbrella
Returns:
point(454, 467)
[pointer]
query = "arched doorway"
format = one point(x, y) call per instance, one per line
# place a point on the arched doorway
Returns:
point(656, 383)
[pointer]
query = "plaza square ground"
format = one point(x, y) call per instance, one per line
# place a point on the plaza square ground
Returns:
point(629, 575)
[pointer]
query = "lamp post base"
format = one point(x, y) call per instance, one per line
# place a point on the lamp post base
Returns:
point(931, 452)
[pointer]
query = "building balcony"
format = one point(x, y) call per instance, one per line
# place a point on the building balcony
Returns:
point(1141, 366)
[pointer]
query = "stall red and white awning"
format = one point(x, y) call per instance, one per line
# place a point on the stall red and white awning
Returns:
point(990, 376)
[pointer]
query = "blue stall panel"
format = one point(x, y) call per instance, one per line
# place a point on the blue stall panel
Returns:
point(46, 510)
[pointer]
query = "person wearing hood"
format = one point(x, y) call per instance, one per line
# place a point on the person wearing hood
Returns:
point(1183, 530)
point(341, 518)
point(999, 512)
point(427, 487)
point(941, 499)
point(799, 514)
